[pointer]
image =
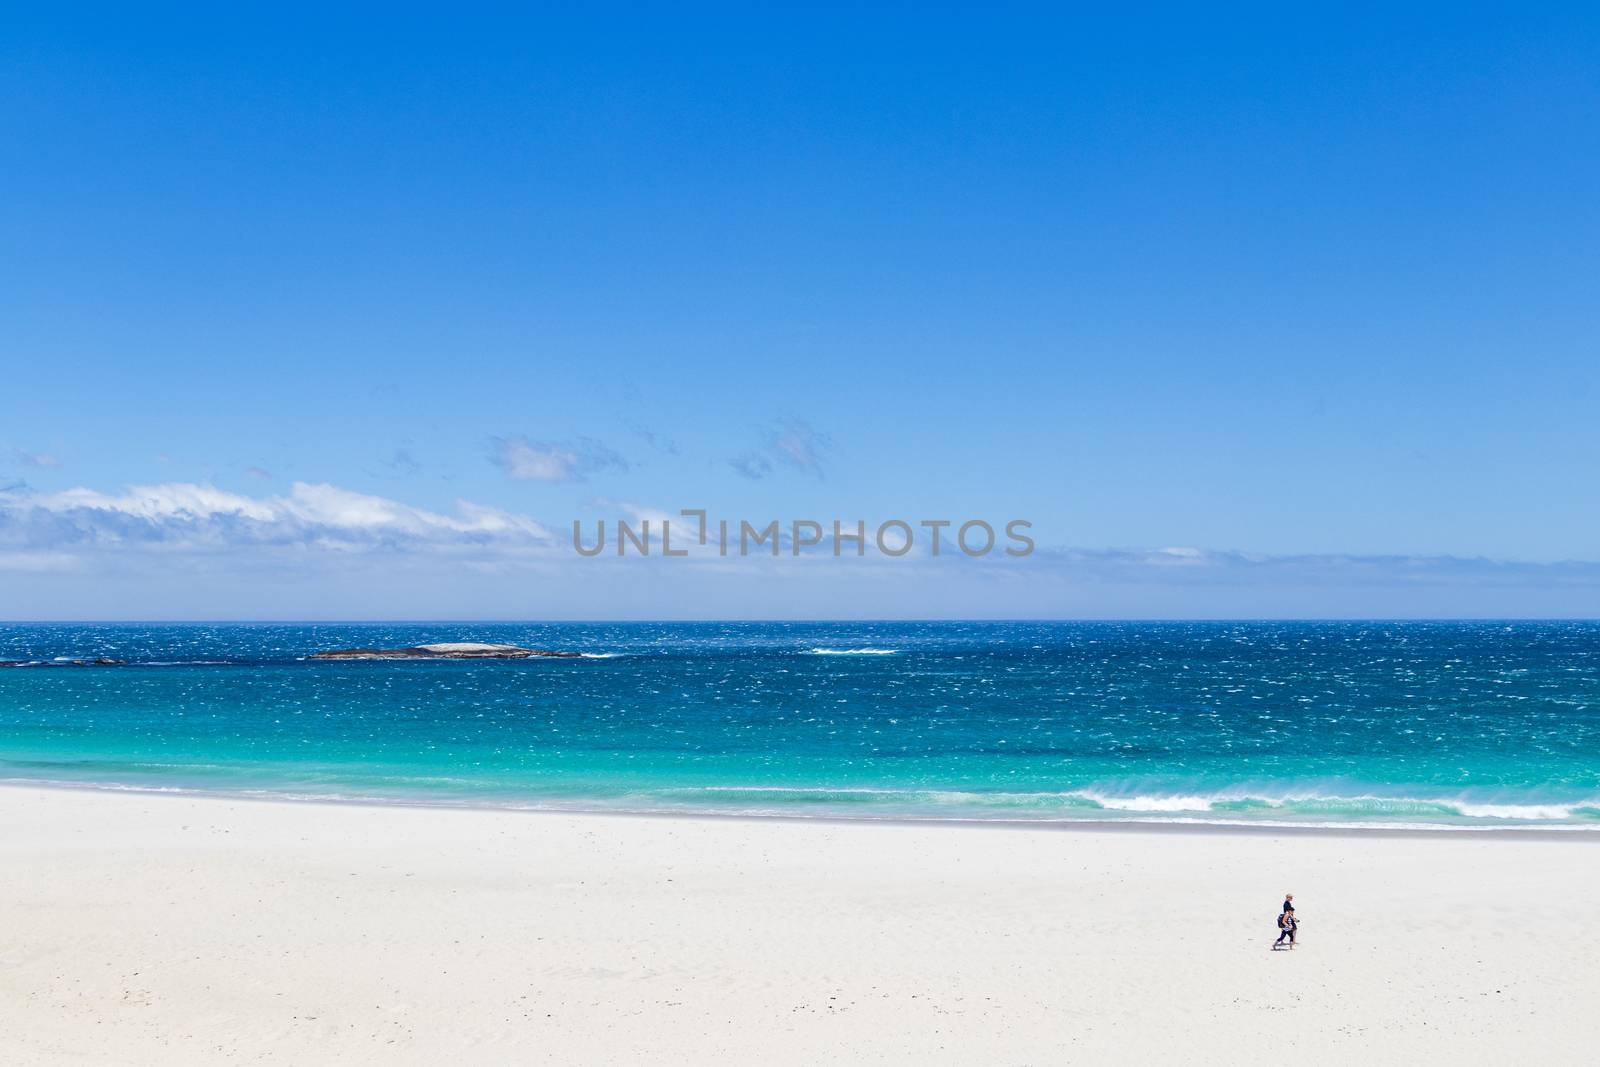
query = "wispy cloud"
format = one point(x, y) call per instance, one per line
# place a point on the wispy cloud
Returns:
point(793, 443)
point(37, 562)
point(1220, 567)
point(657, 442)
point(189, 517)
point(751, 465)
point(34, 459)
point(259, 473)
point(800, 446)
point(349, 553)
point(554, 461)
point(402, 462)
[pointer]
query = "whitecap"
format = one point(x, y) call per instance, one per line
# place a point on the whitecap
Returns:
point(853, 651)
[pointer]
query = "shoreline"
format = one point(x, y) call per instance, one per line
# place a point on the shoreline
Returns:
point(158, 928)
point(1152, 825)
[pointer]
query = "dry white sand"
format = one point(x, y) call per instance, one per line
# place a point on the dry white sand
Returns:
point(147, 929)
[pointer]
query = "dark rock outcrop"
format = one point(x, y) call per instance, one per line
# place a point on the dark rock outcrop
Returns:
point(97, 661)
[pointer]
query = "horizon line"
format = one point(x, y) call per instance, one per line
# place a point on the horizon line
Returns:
point(772, 620)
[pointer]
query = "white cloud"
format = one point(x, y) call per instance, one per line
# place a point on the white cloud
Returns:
point(529, 462)
point(189, 543)
point(197, 517)
point(547, 461)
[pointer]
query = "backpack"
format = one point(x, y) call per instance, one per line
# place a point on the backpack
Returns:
point(1280, 919)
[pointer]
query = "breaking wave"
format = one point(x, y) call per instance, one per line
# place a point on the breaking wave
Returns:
point(1222, 808)
point(852, 651)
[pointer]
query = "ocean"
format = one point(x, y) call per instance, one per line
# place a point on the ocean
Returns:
point(1441, 725)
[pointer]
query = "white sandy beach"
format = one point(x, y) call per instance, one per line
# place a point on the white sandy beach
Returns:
point(158, 929)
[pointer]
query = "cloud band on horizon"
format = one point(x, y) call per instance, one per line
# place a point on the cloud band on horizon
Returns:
point(330, 525)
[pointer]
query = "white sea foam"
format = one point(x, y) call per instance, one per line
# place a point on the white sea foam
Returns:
point(184, 663)
point(1400, 808)
point(448, 647)
point(853, 651)
point(1146, 803)
point(1542, 812)
point(1365, 812)
point(1228, 807)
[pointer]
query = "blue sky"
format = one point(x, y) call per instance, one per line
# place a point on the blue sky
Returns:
point(1268, 285)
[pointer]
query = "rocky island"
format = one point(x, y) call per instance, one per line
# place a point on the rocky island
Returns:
point(97, 661)
point(445, 650)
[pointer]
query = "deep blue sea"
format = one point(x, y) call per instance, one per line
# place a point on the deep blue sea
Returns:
point(1450, 725)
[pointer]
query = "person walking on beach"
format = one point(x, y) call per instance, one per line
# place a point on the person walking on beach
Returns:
point(1286, 924)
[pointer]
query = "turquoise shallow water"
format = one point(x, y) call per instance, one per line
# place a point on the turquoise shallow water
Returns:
point(1456, 725)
